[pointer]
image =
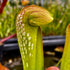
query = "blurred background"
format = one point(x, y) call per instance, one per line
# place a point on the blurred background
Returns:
point(53, 33)
point(59, 9)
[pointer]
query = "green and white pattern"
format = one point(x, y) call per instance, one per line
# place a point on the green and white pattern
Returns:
point(29, 36)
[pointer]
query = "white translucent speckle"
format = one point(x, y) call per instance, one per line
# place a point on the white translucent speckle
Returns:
point(29, 38)
point(20, 21)
point(22, 52)
point(23, 25)
point(32, 46)
point(22, 49)
point(17, 22)
point(19, 15)
point(28, 48)
point(23, 29)
point(23, 33)
point(29, 54)
point(23, 44)
point(26, 64)
point(20, 18)
point(60, 21)
point(27, 34)
point(24, 38)
point(29, 44)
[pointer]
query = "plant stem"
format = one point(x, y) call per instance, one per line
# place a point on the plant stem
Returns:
point(58, 62)
point(5, 39)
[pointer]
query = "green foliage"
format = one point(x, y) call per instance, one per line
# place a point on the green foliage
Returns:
point(61, 14)
point(59, 11)
point(7, 20)
point(65, 63)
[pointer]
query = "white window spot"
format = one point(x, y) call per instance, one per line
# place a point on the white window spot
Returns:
point(23, 25)
point(29, 38)
point(24, 38)
point(27, 34)
point(32, 46)
point(20, 18)
point(20, 21)
point(22, 52)
point(29, 54)
point(22, 49)
point(29, 44)
point(23, 29)
point(19, 15)
point(27, 64)
point(17, 22)
point(23, 44)
point(28, 48)
point(23, 33)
